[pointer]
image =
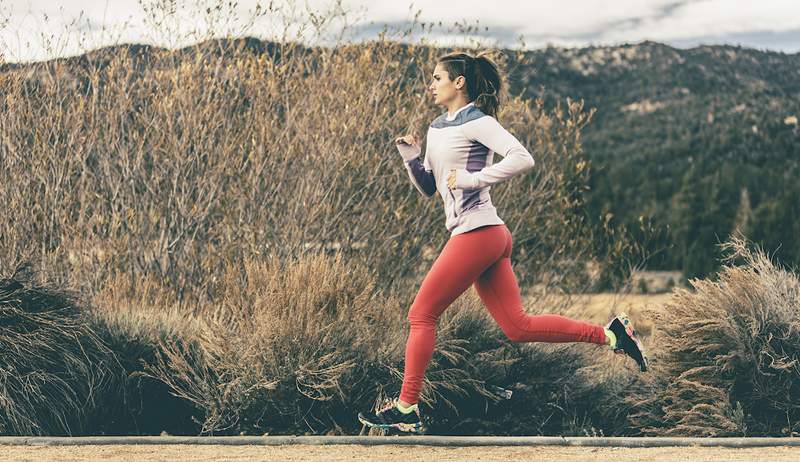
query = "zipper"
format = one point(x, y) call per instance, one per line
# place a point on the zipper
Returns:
point(454, 202)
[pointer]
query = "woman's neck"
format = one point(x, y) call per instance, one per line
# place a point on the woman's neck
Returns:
point(453, 107)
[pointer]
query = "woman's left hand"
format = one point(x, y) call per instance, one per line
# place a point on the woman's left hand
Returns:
point(461, 179)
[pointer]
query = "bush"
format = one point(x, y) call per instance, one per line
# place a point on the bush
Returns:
point(290, 347)
point(54, 369)
point(154, 178)
point(729, 354)
point(295, 347)
point(301, 346)
point(134, 316)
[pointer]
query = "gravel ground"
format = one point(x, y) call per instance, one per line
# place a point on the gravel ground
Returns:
point(388, 453)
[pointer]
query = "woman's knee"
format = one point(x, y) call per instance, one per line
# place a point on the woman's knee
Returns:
point(422, 314)
point(512, 332)
point(515, 335)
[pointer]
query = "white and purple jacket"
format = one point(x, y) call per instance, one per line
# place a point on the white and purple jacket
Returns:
point(466, 142)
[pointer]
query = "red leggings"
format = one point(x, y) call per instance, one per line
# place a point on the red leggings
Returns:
point(480, 257)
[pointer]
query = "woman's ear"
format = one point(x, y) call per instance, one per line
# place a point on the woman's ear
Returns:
point(460, 81)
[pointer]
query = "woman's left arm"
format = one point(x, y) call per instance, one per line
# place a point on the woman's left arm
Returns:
point(488, 131)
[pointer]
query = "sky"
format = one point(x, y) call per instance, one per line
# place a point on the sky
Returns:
point(32, 30)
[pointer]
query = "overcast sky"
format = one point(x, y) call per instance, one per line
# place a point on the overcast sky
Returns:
point(42, 29)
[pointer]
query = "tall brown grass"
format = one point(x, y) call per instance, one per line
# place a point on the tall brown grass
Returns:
point(53, 365)
point(281, 346)
point(146, 161)
point(728, 357)
point(245, 244)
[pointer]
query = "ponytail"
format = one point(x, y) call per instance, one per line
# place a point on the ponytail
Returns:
point(484, 81)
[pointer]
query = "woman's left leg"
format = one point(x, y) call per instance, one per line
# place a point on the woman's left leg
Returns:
point(462, 260)
point(497, 287)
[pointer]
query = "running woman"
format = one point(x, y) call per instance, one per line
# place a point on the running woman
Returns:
point(459, 166)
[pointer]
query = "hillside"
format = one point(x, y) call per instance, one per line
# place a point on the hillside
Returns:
point(698, 139)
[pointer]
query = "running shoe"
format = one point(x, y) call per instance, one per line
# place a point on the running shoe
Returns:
point(389, 417)
point(627, 341)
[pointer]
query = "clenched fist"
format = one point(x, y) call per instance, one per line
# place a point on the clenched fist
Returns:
point(461, 179)
point(409, 146)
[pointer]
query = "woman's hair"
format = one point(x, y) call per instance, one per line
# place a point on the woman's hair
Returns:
point(484, 81)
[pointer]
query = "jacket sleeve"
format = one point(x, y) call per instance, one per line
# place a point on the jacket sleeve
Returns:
point(420, 173)
point(488, 131)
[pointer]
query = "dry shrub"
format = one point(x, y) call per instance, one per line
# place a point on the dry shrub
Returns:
point(301, 346)
point(728, 361)
point(134, 316)
point(139, 160)
point(290, 347)
point(54, 369)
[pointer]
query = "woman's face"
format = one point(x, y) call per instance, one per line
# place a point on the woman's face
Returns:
point(443, 89)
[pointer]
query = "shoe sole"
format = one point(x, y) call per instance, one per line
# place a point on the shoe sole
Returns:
point(403, 427)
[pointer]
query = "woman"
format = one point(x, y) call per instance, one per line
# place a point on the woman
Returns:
point(458, 165)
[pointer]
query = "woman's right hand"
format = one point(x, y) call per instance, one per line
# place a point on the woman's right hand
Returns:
point(409, 146)
point(410, 139)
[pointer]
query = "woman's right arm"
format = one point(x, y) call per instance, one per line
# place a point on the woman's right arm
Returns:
point(488, 131)
point(420, 173)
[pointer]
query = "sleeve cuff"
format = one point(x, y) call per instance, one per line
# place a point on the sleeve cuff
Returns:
point(408, 152)
point(466, 180)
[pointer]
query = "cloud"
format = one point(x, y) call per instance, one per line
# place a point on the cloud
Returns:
point(717, 18)
point(770, 24)
point(560, 17)
point(579, 23)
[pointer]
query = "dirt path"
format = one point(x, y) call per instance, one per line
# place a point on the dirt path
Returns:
point(145, 453)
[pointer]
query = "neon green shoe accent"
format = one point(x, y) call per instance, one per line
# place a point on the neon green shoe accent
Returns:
point(613, 339)
point(406, 410)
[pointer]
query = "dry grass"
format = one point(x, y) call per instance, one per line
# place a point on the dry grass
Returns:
point(300, 346)
point(53, 366)
point(246, 245)
point(728, 361)
point(284, 337)
point(149, 162)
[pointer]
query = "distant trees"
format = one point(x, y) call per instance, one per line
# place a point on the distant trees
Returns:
point(704, 142)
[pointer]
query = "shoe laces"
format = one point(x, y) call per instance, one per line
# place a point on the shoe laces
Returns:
point(387, 404)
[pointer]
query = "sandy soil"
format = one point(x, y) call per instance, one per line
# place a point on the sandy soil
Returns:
point(387, 453)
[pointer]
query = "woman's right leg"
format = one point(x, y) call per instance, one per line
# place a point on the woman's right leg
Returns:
point(497, 287)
